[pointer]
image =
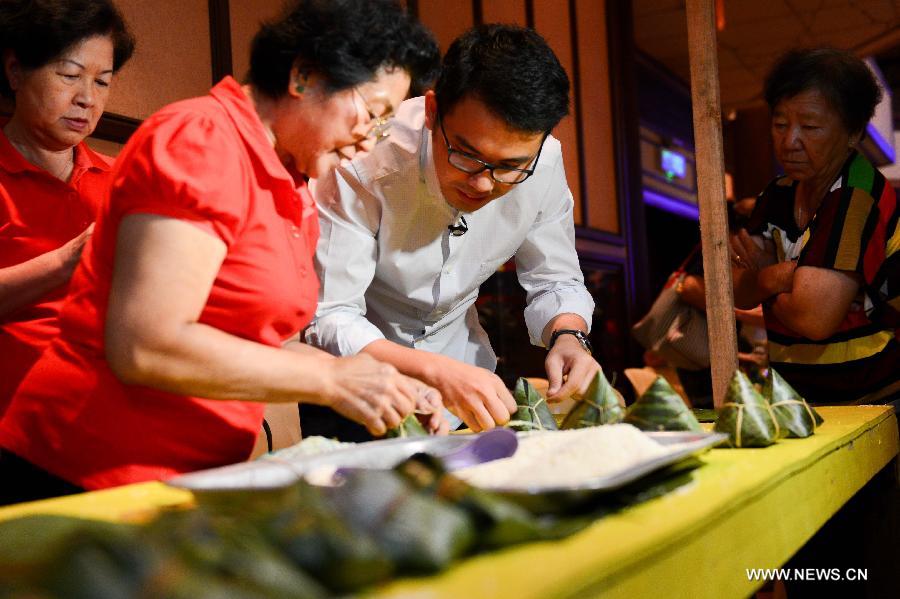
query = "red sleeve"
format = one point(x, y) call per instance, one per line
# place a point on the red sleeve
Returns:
point(187, 166)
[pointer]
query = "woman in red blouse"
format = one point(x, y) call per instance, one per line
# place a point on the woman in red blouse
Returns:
point(200, 267)
point(58, 64)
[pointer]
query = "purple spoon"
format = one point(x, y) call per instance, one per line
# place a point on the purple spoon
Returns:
point(492, 445)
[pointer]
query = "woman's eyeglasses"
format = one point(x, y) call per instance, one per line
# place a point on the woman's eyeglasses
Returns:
point(380, 125)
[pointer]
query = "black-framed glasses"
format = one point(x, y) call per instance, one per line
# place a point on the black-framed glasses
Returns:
point(381, 125)
point(501, 174)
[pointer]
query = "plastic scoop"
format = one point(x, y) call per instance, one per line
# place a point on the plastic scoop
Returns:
point(492, 445)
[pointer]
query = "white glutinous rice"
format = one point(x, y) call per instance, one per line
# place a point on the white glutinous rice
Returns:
point(565, 458)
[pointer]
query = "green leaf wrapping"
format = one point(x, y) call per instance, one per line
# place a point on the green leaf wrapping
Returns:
point(533, 413)
point(419, 534)
point(500, 522)
point(795, 417)
point(308, 530)
point(410, 427)
point(600, 405)
point(660, 408)
point(217, 546)
point(746, 415)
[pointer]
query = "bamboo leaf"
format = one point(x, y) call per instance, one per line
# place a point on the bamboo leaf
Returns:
point(660, 408)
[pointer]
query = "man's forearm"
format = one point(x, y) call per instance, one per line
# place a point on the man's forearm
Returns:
point(412, 362)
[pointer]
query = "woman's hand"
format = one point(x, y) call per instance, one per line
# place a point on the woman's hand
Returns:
point(70, 254)
point(430, 410)
point(476, 395)
point(25, 283)
point(369, 392)
point(777, 278)
point(751, 253)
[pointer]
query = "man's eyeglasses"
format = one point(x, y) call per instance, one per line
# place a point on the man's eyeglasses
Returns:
point(501, 174)
point(380, 124)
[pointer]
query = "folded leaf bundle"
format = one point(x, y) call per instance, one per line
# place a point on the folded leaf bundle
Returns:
point(107, 563)
point(409, 427)
point(418, 533)
point(660, 408)
point(232, 550)
point(795, 417)
point(499, 521)
point(533, 413)
point(599, 405)
point(746, 415)
point(315, 537)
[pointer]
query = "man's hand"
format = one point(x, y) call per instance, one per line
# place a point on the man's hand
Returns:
point(569, 367)
point(476, 395)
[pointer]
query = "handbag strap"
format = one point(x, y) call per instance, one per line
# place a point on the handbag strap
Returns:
point(683, 266)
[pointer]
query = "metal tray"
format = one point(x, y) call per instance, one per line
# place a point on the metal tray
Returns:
point(273, 472)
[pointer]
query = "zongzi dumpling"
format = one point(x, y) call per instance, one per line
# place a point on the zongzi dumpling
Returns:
point(746, 415)
point(795, 416)
point(533, 413)
point(660, 408)
point(409, 427)
point(600, 405)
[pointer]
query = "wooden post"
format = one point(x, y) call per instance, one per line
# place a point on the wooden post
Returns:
point(701, 25)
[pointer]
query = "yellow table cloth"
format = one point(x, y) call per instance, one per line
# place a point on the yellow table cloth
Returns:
point(696, 542)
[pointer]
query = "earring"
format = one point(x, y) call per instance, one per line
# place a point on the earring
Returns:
point(301, 88)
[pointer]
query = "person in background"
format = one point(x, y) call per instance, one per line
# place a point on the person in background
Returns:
point(469, 177)
point(821, 251)
point(200, 268)
point(58, 64)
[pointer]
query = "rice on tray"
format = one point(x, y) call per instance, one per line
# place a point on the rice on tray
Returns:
point(566, 458)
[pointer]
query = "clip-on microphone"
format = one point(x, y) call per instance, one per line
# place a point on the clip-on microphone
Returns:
point(460, 228)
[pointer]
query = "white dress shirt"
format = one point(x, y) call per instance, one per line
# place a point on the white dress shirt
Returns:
point(390, 269)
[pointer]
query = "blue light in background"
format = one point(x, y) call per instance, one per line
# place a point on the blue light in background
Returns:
point(673, 164)
point(671, 205)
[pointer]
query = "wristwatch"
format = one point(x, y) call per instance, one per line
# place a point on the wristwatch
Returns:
point(582, 339)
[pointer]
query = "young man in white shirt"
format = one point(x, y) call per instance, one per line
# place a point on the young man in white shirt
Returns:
point(465, 178)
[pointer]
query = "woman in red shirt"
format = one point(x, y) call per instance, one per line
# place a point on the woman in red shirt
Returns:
point(200, 267)
point(51, 183)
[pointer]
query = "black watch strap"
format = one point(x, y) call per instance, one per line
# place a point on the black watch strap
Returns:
point(582, 338)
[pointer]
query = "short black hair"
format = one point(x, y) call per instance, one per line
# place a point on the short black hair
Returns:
point(40, 31)
point(512, 71)
point(344, 41)
point(845, 81)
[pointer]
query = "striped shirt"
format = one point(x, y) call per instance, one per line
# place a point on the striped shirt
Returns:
point(854, 230)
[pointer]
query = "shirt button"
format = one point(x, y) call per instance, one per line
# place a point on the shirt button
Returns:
point(295, 231)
